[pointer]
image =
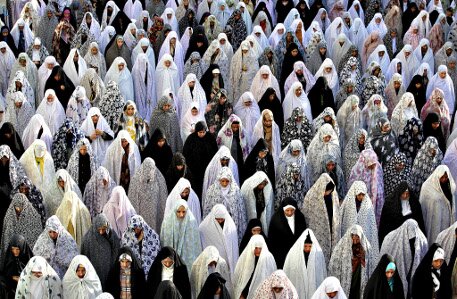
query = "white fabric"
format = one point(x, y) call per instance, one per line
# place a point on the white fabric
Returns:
point(446, 239)
point(259, 85)
point(28, 34)
point(214, 166)
point(332, 77)
point(31, 168)
point(381, 27)
point(245, 267)
point(33, 128)
point(52, 112)
point(224, 239)
point(408, 64)
point(446, 85)
point(247, 190)
point(292, 101)
point(87, 127)
point(178, 56)
point(429, 55)
point(383, 62)
point(145, 96)
point(188, 120)
point(122, 78)
point(118, 210)
point(114, 153)
point(306, 277)
point(259, 132)
point(248, 114)
point(74, 287)
point(170, 21)
point(116, 9)
point(187, 99)
point(166, 77)
point(70, 69)
point(329, 285)
point(192, 201)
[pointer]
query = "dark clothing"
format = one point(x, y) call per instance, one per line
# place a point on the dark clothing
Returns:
point(212, 284)
point(273, 105)
point(137, 281)
point(180, 276)
point(173, 174)
point(423, 285)
point(63, 87)
point(254, 163)
point(279, 233)
point(437, 133)
point(199, 152)
point(320, 96)
point(10, 137)
point(378, 287)
point(161, 155)
point(248, 234)
point(391, 215)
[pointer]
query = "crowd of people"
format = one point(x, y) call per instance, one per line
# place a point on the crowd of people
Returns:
point(245, 149)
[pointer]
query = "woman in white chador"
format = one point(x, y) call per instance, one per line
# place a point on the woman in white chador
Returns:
point(173, 47)
point(328, 71)
point(189, 94)
point(119, 210)
point(242, 70)
point(377, 24)
point(208, 262)
point(189, 119)
point(96, 127)
point(94, 59)
point(257, 183)
point(144, 85)
point(38, 165)
point(122, 173)
point(37, 129)
point(183, 190)
point(222, 158)
point(62, 183)
point(305, 264)
point(294, 98)
point(248, 111)
point(267, 129)
point(168, 17)
point(119, 73)
point(30, 285)
point(52, 111)
point(19, 112)
point(44, 72)
point(219, 230)
point(75, 66)
point(78, 106)
point(167, 76)
point(404, 111)
point(249, 274)
point(262, 81)
point(81, 280)
point(443, 81)
point(144, 46)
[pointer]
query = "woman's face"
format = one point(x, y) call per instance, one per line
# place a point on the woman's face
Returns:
point(81, 271)
point(298, 91)
point(83, 150)
point(181, 212)
point(289, 212)
point(224, 182)
point(294, 52)
point(94, 50)
point(443, 75)
point(322, 51)
point(15, 251)
point(167, 262)
point(130, 110)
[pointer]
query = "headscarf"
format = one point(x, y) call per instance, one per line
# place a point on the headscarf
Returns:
point(58, 253)
point(151, 203)
point(150, 244)
point(65, 141)
point(74, 287)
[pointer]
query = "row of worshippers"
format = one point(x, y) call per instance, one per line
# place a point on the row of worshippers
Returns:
point(371, 71)
point(408, 268)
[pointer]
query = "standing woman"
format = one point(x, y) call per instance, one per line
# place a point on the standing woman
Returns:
point(385, 282)
point(168, 265)
point(180, 231)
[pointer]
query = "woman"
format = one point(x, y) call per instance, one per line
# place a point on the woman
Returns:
point(167, 76)
point(149, 204)
point(62, 183)
point(297, 126)
point(349, 118)
point(243, 68)
point(305, 265)
point(432, 275)
point(94, 59)
point(383, 140)
point(436, 104)
point(52, 111)
point(17, 255)
point(385, 281)
point(226, 191)
point(126, 268)
point(143, 241)
point(256, 263)
point(286, 226)
point(82, 163)
point(144, 85)
point(323, 93)
point(65, 142)
point(418, 89)
point(443, 81)
point(32, 284)
point(81, 280)
point(97, 131)
point(353, 261)
point(119, 210)
point(56, 245)
point(165, 118)
point(180, 230)
point(368, 170)
point(277, 284)
point(62, 39)
point(61, 84)
point(101, 245)
point(130, 121)
point(168, 265)
point(411, 139)
point(98, 191)
point(78, 106)
point(395, 171)
point(428, 158)
point(12, 138)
